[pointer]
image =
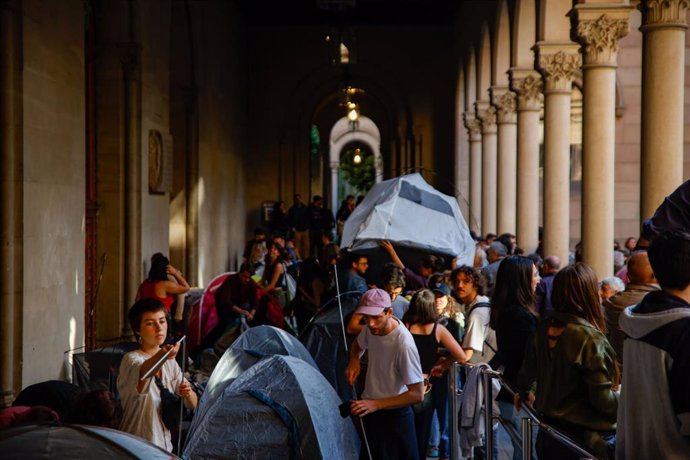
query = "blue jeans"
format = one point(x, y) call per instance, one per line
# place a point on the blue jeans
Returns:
point(439, 396)
point(514, 418)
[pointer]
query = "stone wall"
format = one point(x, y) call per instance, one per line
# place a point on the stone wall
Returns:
point(53, 128)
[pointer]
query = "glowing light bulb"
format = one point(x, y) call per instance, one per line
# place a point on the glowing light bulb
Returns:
point(357, 158)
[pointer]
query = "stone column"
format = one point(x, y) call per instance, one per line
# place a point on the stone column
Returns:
point(335, 166)
point(663, 72)
point(505, 103)
point(528, 86)
point(599, 30)
point(474, 127)
point(131, 69)
point(558, 62)
point(11, 201)
point(487, 114)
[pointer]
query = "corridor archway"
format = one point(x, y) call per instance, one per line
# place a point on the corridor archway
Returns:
point(344, 133)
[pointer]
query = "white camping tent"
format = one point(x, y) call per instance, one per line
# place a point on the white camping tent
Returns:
point(408, 211)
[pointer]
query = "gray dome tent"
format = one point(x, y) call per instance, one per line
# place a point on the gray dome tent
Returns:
point(76, 442)
point(281, 407)
point(254, 344)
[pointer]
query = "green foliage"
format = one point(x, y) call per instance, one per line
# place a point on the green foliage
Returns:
point(315, 141)
point(360, 176)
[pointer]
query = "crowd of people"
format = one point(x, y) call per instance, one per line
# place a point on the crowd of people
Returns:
point(604, 361)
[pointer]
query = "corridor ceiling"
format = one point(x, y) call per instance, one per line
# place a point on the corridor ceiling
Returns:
point(302, 12)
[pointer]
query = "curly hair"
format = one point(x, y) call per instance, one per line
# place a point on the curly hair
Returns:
point(477, 277)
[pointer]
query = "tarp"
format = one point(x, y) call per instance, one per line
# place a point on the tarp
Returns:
point(324, 339)
point(408, 211)
point(98, 369)
point(254, 344)
point(76, 442)
point(280, 408)
point(203, 317)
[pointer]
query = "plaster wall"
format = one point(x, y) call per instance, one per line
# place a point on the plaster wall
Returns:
point(53, 119)
point(155, 115)
point(222, 112)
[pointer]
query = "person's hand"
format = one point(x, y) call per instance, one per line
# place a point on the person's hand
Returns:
point(385, 244)
point(363, 407)
point(352, 371)
point(175, 348)
point(454, 263)
point(437, 370)
point(185, 389)
point(170, 270)
point(250, 315)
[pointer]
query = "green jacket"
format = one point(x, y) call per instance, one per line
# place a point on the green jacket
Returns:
point(572, 381)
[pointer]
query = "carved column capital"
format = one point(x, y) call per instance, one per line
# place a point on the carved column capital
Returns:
point(558, 63)
point(474, 126)
point(527, 84)
point(506, 105)
point(599, 32)
point(487, 115)
point(663, 13)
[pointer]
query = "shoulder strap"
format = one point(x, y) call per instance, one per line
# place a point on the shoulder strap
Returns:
point(479, 305)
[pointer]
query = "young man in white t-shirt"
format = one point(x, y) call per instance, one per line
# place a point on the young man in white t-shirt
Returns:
point(479, 342)
point(394, 380)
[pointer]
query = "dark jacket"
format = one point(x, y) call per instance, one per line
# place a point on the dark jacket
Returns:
point(573, 379)
point(514, 329)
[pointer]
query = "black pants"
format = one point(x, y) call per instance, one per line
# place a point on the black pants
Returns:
point(391, 435)
point(423, 412)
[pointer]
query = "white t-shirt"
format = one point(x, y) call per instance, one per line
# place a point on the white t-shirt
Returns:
point(393, 362)
point(142, 411)
point(477, 331)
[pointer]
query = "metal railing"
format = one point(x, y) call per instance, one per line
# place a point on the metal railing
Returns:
point(487, 375)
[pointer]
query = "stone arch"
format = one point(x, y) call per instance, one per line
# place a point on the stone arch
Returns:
point(524, 34)
point(343, 133)
point(554, 22)
point(501, 48)
point(471, 80)
point(484, 64)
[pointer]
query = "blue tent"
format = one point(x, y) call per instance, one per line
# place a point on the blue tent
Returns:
point(279, 408)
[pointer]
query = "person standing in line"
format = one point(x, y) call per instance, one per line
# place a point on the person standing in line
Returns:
point(654, 411)
point(298, 217)
point(394, 380)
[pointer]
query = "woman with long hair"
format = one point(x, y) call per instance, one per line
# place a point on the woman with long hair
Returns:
point(141, 399)
point(422, 321)
point(512, 317)
point(573, 367)
point(159, 286)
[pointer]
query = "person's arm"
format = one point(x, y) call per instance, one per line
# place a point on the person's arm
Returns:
point(597, 360)
point(277, 271)
point(354, 326)
point(179, 286)
point(188, 394)
point(353, 366)
point(388, 247)
point(149, 363)
point(448, 341)
point(413, 395)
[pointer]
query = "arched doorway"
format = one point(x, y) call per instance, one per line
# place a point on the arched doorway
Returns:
point(363, 134)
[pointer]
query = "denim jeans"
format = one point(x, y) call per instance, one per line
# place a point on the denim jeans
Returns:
point(514, 418)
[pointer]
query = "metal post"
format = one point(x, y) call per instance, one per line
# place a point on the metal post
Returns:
point(453, 438)
point(526, 438)
point(488, 414)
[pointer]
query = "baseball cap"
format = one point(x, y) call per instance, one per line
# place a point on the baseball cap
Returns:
point(373, 302)
point(441, 288)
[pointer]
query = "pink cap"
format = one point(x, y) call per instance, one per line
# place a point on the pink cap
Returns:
point(373, 302)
